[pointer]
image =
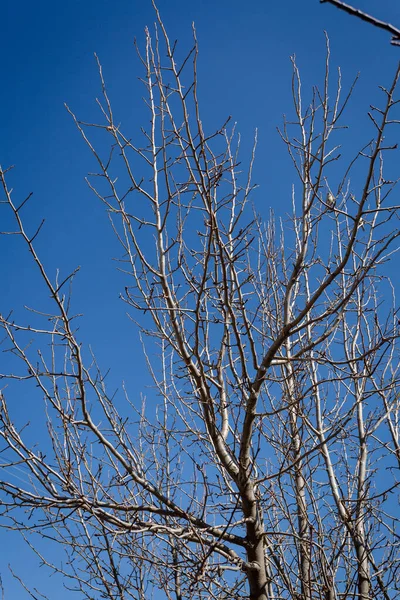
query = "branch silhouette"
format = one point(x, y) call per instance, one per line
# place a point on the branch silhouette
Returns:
point(395, 31)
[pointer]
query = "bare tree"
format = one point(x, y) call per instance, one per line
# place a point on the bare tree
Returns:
point(265, 465)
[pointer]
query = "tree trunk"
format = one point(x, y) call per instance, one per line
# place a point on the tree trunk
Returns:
point(256, 566)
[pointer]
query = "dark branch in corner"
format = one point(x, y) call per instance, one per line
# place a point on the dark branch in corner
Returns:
point(364, 17)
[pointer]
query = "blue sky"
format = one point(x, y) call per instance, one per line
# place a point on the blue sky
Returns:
point(244, 71)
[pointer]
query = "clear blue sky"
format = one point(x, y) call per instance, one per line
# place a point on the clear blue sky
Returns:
point(47, 59)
